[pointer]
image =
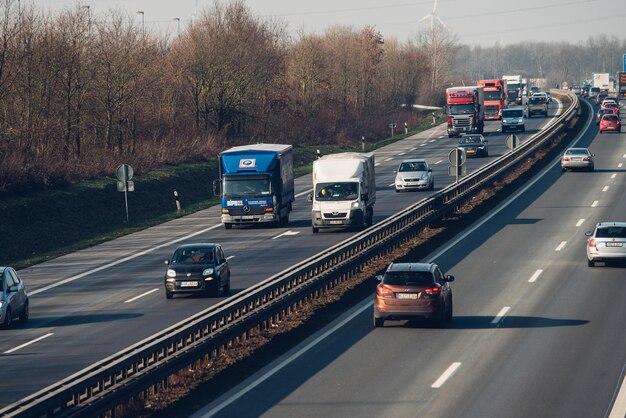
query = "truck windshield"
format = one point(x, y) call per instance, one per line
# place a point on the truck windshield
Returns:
point(327, 192)
point(247, 186)
point(493, 95)
point(461, 109)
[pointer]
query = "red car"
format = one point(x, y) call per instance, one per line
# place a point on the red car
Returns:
point(610, 123)
point(613, 106)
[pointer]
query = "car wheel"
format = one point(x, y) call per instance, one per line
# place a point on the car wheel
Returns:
point(563, 169)
point(169, 295)
point(591, 263)
point(25, 313)
point(379, 322)
point(8, 319)
point(228, 226)
point(432, 185)
point(227, 287)
point(601, 131)
point(370, 219)
point(397, 190)
point(591, 169)
point(315, 230)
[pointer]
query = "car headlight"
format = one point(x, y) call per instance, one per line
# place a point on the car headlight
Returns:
point(171, 273)
point(505, 121)
point(317, 206)
point(481, 147)
point(2, 303)
point(355, 205)
point(208, 272)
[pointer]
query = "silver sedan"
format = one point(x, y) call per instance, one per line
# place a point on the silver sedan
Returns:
point(414, 175)
point(607, 241)
point(577, 158)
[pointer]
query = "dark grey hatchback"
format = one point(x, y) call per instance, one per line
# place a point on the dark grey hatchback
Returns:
point(13, 297)
point(197, 268)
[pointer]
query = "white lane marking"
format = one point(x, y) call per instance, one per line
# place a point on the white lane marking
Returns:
point(594, 204)
point(140, 296)
point(605, 188)
point(389, 159)
point(28, 343)
point(446, 375)
point(501, 314)
point(402, 153)
point(413, 149)
point(439, 162)
point(624, 156)
point(440, 137)
point(561, 246)
point(122, 260)
point(433, 140)
point(376, 165)
point(535, 276)
point(613, 175)
point(229, 257)
point(286, 233)
point(423, 145)
point(236, 396)
point(511, 199)
point(619, 406)
point(392, 184)
point(580, 222)
point(304, 192)
point(498, 130)
point(620, 165)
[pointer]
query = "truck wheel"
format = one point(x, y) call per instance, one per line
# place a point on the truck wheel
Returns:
point(285, 219)
point(370, 219)
point(228, 226)
point(449, 135)
point(315, 230)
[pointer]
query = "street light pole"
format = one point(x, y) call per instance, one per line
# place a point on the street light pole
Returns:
point(143, 21)
point(177, 19)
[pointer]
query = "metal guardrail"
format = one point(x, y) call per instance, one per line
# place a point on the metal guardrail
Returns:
point(146, 365)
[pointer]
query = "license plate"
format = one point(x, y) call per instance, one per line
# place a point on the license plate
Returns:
point(336, 222)
point(247, 217)
point(189, 284)
point(577, 159)
point(406, 295)
point(613, 244)
point(470, 151)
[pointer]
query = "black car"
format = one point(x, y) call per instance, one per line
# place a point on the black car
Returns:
point(13, 298)
point(197, 268)
point(474, 145)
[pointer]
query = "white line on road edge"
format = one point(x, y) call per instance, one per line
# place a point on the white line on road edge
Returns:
point(304, 192)
point(439, 162)
point(389, 159)
point(366, 305)
point(376, 165)
point(142, 295)
point(413, 149)
point(433, 140)
point(614, 175)
point(620, 165)
point(423, 145)
point(605, 188)
point(580, 222)
point(122, 260)
point(229, 257)
point(28, 343)
point(402, 153)
point(446, 375)
point(619, 406)
point(561, 246)
point(287, 233)
point(594, 204)
point(535, 276)
point(501, 315)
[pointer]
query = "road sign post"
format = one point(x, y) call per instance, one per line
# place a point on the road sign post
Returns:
point(124, 174)
point(512, 142)
point(457, 160)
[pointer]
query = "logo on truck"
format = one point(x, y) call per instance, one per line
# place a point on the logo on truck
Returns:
point(247, 163)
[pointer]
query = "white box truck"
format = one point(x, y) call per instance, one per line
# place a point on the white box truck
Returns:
point(344, 191)
point(601, 81)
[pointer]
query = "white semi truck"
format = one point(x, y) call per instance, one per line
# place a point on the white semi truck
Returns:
point(344, 191)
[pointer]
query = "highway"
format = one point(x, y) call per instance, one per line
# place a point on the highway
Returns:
point(536, 332)
point(87, 305)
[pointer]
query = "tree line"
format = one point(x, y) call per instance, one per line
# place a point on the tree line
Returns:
point(80, 94)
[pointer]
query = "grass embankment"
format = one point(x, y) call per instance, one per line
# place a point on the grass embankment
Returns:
point(47, 224)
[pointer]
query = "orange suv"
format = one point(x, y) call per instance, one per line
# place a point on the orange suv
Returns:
point(413, 290)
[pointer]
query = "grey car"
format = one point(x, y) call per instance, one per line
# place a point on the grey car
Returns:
point(577, 159)
point(414, 174)
point(14, 299)
point(606, 242)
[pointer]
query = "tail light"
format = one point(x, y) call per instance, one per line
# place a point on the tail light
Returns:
point(566, 159)
point(586, 159)
point(450, 120)
point(592, 243)
point(432, 291)
point(384, 291)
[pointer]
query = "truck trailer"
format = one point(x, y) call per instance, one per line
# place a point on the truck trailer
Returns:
point(256, 184)
point(465, 107)
point(495, 98)
point(514, 88)
point(601, 81)
point(344, 191)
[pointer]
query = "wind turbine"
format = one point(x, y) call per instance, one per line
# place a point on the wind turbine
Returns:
point(432, 16)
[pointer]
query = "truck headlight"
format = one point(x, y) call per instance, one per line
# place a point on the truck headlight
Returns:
point(317, 206)
point(171, 273)
point(208, 272)
point(355, 205)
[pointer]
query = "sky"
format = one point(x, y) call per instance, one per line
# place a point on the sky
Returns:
point(475, 22)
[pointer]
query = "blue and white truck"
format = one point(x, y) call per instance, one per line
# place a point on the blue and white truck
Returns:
point(256, 184)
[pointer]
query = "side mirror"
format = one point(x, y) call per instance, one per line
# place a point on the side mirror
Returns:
point(217, 187)
point(395, 172)
point(430, 170)
point(166, 263)
point(588, 233)
point(449, 278)
point(365, 197)
point(379, 277)
point(310, 197)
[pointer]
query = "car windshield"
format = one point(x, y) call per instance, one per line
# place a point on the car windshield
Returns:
point(461, 109)
point(412, 166)
point(610, 118)
point(515, 113)
point(577, 151)
point(250, 186)
point(469, 140)
point(193, 256)
point(493, 95)
point(409, 278)
point(611, 232)
point(325, 192)
point(535, 100)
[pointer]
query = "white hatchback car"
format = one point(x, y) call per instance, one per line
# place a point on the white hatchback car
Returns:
point(606, 242)
point(414, 175)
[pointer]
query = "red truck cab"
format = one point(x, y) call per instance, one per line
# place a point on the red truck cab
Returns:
point(495, 98)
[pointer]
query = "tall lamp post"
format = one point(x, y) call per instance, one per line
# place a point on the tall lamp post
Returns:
point(177, 19)
point(143, 21)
